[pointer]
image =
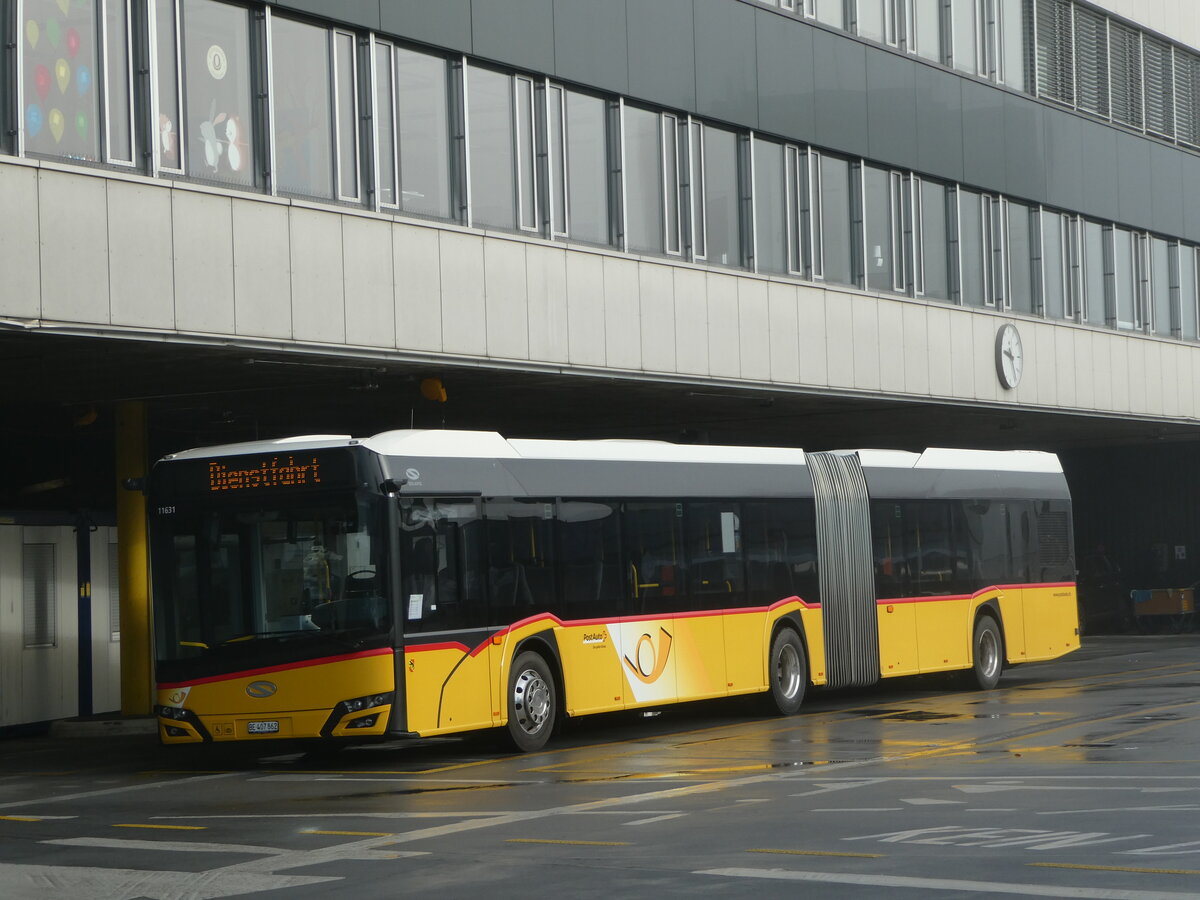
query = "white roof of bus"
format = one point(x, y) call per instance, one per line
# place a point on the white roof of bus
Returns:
point(490, 445)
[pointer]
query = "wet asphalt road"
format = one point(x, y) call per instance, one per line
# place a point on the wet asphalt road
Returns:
point(1076, 778)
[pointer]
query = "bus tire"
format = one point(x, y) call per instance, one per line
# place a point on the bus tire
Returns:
point(987, 654)
point(532, 702)
point(787, 672)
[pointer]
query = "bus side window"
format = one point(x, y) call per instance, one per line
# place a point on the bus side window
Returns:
point(716, 571)
point(652, 545)
point(589, 556)
point(781, 551)
point(439, 565)
point(887, 539)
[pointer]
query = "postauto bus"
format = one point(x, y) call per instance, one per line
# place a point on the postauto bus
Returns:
point(428, 582)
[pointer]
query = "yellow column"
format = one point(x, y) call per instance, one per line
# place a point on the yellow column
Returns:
point(133, 562)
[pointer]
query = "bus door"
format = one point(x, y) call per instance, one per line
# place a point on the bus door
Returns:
point(448, 683)
point(590, 602)
point(652, 538)
point(845, 571)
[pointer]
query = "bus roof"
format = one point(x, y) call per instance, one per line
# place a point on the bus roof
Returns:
point(491, 445)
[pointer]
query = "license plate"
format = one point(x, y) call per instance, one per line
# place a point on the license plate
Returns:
point(262, 727)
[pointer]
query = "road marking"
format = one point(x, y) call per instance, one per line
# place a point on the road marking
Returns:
point(119, 790)
point(171, 827)
point(183, 846)
point(815, 853)
point(948, 884)
point(1046, 865)
point(350, 833)
point(573, 843)
point(55, 882)
point(661, 818)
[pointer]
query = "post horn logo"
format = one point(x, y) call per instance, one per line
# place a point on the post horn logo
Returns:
point(260, 690)
point(650, 662)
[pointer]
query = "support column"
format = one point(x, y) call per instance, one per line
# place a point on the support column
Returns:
point(133, 562)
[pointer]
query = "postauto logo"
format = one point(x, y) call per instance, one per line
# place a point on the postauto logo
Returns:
point(260, 690)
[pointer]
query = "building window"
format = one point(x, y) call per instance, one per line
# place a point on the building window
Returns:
point(716, 196)
point(1187, 97)
point(217, 92)
point(882, 211)
point(1093, 279)
point(933, 228)
point(1189, 320)
point(1054, 260)
point(1020, 238)
point(653, 217)
point(167, 87)
point(118, 82)
point(1055, 51)
point(770, 208)
point(302, 109)
point(587, 142)
point(1091, 61)
point(40, 595)
point(345, 70)
point(492, 154)
point(1163, 318)
point(836, 220)
point(1159, 65)
point(1125, 68)
point(1124, 279)
point(59, 66)
point(424, 99)
point(926, 24)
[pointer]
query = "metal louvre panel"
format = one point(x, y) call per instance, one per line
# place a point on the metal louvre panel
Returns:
point(39, 597)
point(1160, 87)
point(114, 590)
point(845, 570)
point(1091, 61)
point(1187, 97)
point(1125, 54)
point(1055, 51)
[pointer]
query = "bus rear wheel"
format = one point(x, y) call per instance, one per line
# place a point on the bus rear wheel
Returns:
point(532, 702)
point(987, 651)
point(788, 672)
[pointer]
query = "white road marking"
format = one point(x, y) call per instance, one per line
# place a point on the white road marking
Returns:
point(662, 818)
point(184, 846)
point(22, 882)
point(119, 790)
point(928, 801)
point(949, 884)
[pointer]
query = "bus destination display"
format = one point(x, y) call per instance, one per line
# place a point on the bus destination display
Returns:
point(272, 474)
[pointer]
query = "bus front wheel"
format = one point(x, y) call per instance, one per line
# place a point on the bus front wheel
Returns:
point(532, 702)
point(788, 672)
point(987, 650)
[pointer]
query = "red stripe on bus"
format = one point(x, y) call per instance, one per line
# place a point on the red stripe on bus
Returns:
point(446, 645)
point(937, 598)
point(304, 664)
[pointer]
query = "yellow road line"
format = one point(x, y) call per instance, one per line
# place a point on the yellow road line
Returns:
point(19, 819)
point(1046, 865)
point(167, 827)
point(350, 833)
point(573, 843)
point(815, 853)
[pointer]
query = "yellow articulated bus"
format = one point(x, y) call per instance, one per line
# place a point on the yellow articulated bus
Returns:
point(422, 583)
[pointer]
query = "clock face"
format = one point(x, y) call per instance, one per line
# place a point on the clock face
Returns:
point(1010, 356)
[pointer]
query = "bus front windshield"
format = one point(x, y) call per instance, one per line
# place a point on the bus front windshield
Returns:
point(240, 587)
